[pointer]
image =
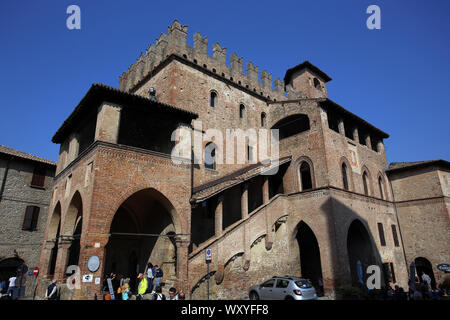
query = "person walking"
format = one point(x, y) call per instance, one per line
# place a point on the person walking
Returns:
point(52, 291)
point(143, 285)
point(11, 286)
point(426, 278)
point(173, 294)
point(150, 275)
point(158, 276)
point(181, 296)
point(125, 291)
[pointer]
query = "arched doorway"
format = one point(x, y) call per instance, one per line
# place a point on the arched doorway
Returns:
point(423, 265)
point(74, 250)
point(9, 267)
point(142, 231)
point(72, 228)
point(53, 235)
point(310, 264)
point(359, 248)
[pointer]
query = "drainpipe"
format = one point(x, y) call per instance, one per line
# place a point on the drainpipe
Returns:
point(5, 175)
point(399, 228)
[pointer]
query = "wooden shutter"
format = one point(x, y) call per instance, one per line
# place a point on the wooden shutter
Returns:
point(38, 179)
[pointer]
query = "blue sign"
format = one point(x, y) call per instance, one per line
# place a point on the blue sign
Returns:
point(444, 267)
point(208, 255)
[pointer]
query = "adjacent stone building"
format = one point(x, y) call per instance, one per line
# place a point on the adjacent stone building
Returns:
point(26, 183)
point(120, 194)
point(421, 193)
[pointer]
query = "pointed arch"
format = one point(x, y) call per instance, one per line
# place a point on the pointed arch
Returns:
point(346, 174)
point(366, 181)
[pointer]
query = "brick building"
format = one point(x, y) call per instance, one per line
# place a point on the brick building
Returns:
point(119, 195)
point(26, 183)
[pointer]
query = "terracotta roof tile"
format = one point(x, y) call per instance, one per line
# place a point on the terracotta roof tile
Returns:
point(210, 189)
point(24, 155)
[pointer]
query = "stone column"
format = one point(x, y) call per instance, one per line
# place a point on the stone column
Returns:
point(108, 121)
point(182, 245)
point(63, 256)
point(266, 190)
point(74, 147)
point(45, 258)
point(244, 201)
point(94, 245)
point(219, 216)
point(380, 146)
point(356, 134)
point(368, 142)
point(341, 126)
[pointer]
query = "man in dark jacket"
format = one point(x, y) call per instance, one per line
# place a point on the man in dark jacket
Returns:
point(52, 291)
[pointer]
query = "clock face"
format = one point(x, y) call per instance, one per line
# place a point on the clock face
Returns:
point(93, 263)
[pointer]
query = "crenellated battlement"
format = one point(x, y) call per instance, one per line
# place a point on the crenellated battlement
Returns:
point(174, 42)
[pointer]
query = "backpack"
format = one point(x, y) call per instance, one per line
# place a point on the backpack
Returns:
point(160, 295)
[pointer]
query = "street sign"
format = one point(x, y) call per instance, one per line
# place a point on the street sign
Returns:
point(444, 267)
point(111, 290)
point(30, 273)
point(88, 278)
point(208, 255)
point(35, 271)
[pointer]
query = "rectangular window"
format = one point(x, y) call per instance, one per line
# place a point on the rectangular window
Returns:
point(31, 218)
point(381, 233)
point(38, 179)
point(394, 235)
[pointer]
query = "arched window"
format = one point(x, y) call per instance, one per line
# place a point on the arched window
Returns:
point(366, 184)
point(210, 156)
point(344, 176)
point(263, 119)
point(380, 185)
point(241, 111)
point(305, 176)
point(213, 100)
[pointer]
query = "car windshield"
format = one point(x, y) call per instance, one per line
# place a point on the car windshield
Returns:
point(304, 284)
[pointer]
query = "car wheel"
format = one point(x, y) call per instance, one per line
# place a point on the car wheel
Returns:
point(254, 296)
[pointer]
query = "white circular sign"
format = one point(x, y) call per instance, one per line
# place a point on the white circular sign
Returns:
point(93, 263)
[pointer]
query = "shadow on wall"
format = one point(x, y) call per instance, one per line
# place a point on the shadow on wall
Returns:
point(352, 241)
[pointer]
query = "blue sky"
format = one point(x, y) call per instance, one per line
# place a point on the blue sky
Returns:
point(396, 78)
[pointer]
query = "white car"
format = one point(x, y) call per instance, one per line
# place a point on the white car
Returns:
point(283, 288)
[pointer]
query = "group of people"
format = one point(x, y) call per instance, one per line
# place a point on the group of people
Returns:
point(148, 288)
point(423, 290)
